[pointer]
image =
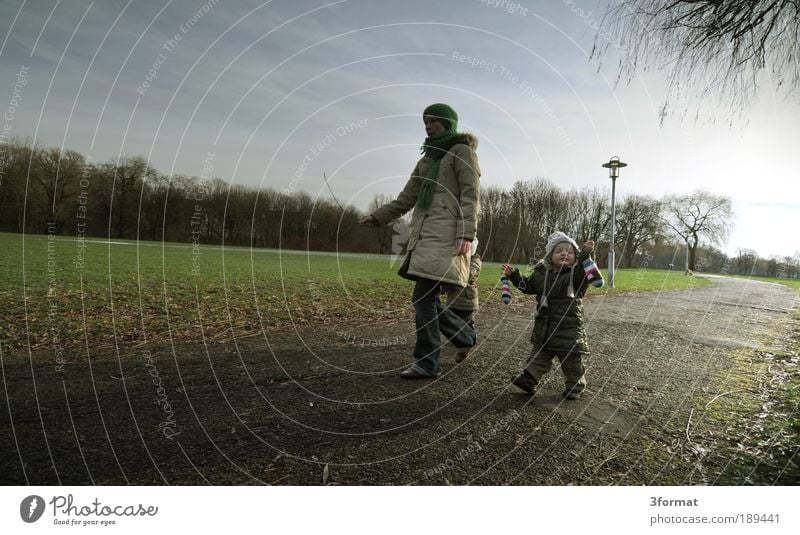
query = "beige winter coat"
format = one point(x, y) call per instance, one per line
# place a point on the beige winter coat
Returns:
point(466, 298)
point(453, 214)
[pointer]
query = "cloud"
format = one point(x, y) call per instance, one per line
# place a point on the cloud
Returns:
point(260, 82)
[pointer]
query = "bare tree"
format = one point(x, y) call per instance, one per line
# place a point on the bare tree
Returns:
point(718, 46)
point(238, 214)
point(153, 207)
point(773, 266)
point(491, 224)
point(792, 266)
point(535, 209)
point(214, 203)
point(264, 229)
point(56, 175)
point(15, 161)
point(591, 211)
point(126, 175)
point(700, 215)
point(745, 261)
point(638, 224)
point(383, 233)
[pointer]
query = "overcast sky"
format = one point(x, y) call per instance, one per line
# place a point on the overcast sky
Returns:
point(278, 93)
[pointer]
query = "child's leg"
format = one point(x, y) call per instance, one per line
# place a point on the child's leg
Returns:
point(574, 374)
point(539, 363)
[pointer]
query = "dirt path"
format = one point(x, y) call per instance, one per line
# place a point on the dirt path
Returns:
point(318, 408)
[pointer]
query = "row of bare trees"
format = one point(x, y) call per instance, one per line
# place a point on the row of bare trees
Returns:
point(534, 209)
point(49, 190)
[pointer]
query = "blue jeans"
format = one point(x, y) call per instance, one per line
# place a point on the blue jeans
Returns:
point(433, 320)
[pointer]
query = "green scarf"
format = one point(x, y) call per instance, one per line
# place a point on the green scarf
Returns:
point(436, 148)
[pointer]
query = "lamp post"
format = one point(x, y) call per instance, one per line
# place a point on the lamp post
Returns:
point(686, 272)
point(613, 165)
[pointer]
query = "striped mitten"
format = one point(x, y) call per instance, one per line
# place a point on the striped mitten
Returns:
point(506, 290)
point(593, 273)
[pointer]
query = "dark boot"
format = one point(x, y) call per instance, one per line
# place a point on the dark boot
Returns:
point(524, 381)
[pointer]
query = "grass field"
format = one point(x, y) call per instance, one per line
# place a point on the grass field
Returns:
point(62, 292)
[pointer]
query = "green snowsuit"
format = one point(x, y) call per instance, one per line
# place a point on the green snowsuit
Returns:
point(558, 330)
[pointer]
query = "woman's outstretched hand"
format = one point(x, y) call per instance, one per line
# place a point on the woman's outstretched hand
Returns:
point(368, 221)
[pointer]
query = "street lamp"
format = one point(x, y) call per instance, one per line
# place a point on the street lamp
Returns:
point(686, 272)
point(613, 165)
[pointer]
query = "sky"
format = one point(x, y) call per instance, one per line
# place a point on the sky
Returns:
point(281, 93)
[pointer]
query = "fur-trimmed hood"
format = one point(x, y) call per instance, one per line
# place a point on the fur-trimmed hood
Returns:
point(468, 139)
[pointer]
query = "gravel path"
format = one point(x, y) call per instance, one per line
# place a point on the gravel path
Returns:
point(315, 407)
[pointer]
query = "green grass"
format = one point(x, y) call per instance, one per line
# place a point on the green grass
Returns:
point(763, 414)
point(129, 292)
point(626, 280)
point(761, 419)
point(125, 292)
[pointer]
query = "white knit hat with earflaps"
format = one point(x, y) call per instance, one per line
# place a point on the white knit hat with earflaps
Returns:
point(554, 239)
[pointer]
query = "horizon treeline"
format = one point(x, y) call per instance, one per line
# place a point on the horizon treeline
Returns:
point(47, 190)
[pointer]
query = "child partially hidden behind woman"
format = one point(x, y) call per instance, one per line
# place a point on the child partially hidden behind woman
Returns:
point(559, 282)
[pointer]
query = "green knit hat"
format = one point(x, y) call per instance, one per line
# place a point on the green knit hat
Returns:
point(444, 113)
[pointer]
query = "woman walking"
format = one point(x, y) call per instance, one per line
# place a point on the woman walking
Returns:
point(444, 192)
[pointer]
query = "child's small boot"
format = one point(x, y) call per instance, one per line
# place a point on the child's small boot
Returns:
point(524, 381)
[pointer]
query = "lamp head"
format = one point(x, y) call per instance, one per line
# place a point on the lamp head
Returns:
point(613, 165)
